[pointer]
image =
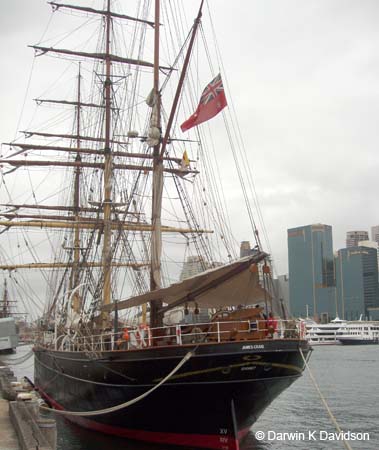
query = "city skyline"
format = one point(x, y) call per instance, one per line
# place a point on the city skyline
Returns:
point(324, 283)
point(341, 239)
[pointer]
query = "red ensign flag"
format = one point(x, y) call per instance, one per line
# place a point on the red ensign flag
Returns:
point(212, 101)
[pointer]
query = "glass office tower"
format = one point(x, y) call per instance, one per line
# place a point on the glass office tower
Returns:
point(357, 281)
point(311, 272)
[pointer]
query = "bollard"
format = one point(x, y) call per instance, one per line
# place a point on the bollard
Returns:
point(48, 428)
point(31, 405)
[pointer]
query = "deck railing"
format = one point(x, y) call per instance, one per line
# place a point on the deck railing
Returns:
point(179, 334)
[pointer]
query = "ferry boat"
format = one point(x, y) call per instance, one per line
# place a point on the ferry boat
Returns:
point(360, 333)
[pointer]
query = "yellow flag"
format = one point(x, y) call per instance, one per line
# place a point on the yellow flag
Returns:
point(185, 160)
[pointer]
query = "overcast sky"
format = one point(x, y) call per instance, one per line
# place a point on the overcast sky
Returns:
point(304, 79)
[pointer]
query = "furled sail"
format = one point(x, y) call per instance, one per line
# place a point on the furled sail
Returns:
point(214, 288)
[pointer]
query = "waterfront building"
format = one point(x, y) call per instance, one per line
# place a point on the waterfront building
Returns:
point(353, 238)
point(281, 291)
point(356, 281)
point(311, 272)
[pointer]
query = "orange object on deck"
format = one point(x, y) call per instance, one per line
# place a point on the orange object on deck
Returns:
point(125, 335)
point(266, 269)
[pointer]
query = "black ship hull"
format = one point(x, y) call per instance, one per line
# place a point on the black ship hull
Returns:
point(211, 402)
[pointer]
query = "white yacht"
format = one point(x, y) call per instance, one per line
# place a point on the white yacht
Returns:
point(324, 333)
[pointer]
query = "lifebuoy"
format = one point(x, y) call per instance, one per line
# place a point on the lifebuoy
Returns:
point(143, 335)
point(125, 335)
point(302, 329)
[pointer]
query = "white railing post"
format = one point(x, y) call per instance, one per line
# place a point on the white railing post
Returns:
point(178, 335)
point(218, 332)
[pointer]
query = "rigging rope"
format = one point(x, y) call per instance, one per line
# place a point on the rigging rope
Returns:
point(125, 404)
point(323, 400)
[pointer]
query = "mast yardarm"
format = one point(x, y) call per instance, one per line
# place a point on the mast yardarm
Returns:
point(102, 56)
point(88, 151)
point(64, 265)
point(115, 225)
point(40, 101)
point(19, 163)
point(98, 11)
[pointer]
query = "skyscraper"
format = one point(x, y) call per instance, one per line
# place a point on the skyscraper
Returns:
point(192, 266)
point(245, 249)
point(375, 233)
point(371, 244)
point(281, 291)
point(353, 238)
point(311, 271)
point(357, 281)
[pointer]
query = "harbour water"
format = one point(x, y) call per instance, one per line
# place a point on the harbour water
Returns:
point(347, 376)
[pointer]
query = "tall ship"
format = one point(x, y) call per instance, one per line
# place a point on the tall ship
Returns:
point(102, 202)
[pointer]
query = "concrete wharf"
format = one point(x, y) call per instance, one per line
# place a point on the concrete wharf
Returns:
point(21, 426)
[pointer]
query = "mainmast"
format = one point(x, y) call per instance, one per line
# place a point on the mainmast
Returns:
point(107, 200)
point(156, 239)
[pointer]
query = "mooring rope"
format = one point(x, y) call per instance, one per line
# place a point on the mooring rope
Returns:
point(125, 404)
point(16, 361)
point(334, 420)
